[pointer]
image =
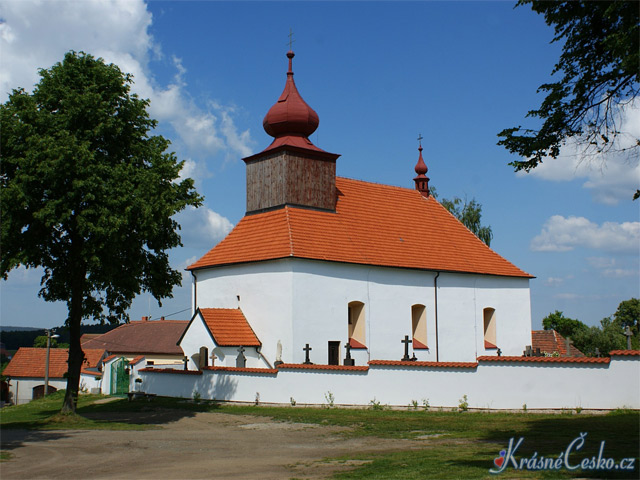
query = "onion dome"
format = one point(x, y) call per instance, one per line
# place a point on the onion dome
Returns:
point(422, 181)
point(290, 115)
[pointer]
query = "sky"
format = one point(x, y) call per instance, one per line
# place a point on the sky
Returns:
point(378, 74)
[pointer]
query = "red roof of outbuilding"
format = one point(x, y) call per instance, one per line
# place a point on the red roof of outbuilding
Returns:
point(30, 362)
point(373, 225)
point(158, 337)
point(229, 327)
point(550, 341)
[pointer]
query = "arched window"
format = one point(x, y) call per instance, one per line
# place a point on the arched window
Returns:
point(419, 326)
point(357, 331)
point(489, 315)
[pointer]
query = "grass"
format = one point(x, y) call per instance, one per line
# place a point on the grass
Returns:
point(457, 445)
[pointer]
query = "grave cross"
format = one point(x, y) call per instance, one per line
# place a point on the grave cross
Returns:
point(185, 360)
point(406, 342)
point(213, 359)
point(627, 332)
point(348, 361)
point(307, 349)
point(568, 347)
point(241, 360)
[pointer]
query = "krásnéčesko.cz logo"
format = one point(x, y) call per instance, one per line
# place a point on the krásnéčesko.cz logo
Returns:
point(561, 461)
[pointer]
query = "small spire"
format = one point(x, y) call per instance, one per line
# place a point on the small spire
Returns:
point(422, 181)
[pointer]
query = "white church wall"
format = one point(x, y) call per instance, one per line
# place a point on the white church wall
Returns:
point(461, 301)
point(490, 384)
point(298, 301)
point(323, 291)
point(264, 289)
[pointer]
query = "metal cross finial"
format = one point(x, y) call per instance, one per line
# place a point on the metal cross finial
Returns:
point(291, 40)
point(420, 138)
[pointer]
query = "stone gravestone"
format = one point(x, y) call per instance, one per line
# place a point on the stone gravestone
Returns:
point(203, 358)
point(279, 354)
point(241, 360)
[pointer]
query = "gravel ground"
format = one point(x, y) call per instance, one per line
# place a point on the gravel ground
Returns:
point(194, 446)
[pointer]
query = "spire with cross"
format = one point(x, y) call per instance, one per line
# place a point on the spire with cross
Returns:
point(422, 181)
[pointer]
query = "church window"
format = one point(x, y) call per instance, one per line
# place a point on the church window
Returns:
point(489, 315)
point(419, 326)
point(357, 325)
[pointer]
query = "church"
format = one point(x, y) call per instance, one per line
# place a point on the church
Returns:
point(325, 270)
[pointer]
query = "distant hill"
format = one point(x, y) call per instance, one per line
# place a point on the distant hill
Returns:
point(4, 328)
point(16, 337)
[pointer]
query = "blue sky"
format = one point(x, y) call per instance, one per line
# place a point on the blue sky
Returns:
point(378, 74)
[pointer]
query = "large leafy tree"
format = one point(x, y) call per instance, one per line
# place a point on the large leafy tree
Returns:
point(88, 194)
point(598, 71)
point(567, 327)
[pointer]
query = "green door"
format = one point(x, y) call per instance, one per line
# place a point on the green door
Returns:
point(120, 377)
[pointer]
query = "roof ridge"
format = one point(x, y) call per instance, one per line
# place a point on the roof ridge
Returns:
point(369, 182)
point(288, 219)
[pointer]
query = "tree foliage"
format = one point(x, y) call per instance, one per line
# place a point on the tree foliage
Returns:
point(41, 342)
point(606, 337)
point(598, 71)
point(567, 327)
point(469, 213)
point(88, 194)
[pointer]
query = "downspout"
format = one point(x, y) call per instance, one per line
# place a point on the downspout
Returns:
point(195, 292)
point(435, 288)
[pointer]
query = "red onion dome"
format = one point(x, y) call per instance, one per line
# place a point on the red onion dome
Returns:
point(290, 115)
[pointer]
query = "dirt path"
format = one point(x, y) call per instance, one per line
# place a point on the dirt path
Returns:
point(203, 446)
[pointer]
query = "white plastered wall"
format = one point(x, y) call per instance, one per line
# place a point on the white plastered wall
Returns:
point(298, 301)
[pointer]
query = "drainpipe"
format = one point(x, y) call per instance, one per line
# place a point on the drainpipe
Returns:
point(435, 288)
point(195, 292)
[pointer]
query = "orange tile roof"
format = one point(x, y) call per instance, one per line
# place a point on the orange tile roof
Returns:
point(158, 337)
point(229, 327)
point(551, 341)
point(30, 362)
point(373, 225)
point(307, 366)
point(243, 370)
point(546, 359)
point(633, 353)
point(400, 363)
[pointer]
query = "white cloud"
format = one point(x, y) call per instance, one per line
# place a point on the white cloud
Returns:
point(554, 281)
point(560, 234)
point(202, 227)
point(118, 31)
point(612, 177)
point(609, 267)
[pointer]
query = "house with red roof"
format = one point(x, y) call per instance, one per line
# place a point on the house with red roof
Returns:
point(27, 370)
point(140, 343)
point(335, 271)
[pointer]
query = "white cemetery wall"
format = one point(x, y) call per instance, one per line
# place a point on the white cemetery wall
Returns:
point(543, 384)
point(21, 389)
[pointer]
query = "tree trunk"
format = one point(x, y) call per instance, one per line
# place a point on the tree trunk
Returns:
point(76, 355)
